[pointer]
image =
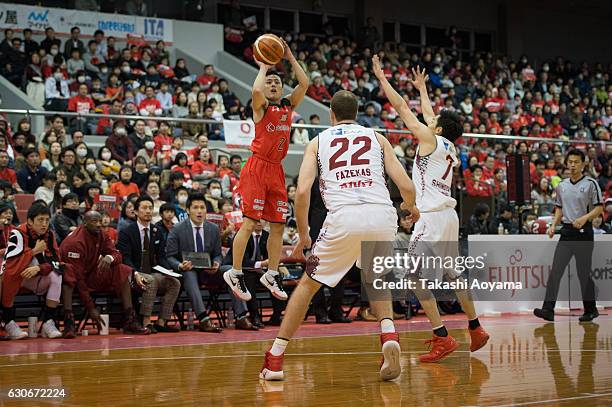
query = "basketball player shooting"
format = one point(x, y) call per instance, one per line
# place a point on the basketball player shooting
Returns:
point(262, 179)
point(351, 162)
point(438, 226)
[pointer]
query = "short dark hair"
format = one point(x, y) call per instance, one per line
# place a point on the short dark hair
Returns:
point(575, 152)
point(50, 176)
point(313, 116)
point(29, 152)
point(69, 197)
point(452, 128)
point(175, 175)
point(38, 209)
point(143, 198)
point(98, 32)
point(344, 104)
point(214, 181)
point(167, 207)
point(481, 208)
point(196, 196)
point(235, 156)
point(74, 29)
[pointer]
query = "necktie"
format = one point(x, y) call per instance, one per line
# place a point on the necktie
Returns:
point(199, 242)
point(256, 250)
point(146, 259)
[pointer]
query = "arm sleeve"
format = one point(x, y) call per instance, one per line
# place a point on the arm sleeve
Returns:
point(596, 198)
point(558, 201)
point(72, 254)
point(108, 249)
point(225, 186)
point(123, 245)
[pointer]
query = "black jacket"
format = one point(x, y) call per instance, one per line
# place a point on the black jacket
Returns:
point(130, 247)
point(247, 260)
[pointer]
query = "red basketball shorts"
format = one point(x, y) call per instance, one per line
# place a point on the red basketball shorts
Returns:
point(262, 190)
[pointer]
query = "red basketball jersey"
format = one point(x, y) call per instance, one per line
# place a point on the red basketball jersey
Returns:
point(273, 132)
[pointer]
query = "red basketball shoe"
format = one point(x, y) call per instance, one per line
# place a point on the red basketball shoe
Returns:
point(441, 347)
point(390, 365)
point(479, 338)
point(272, 368)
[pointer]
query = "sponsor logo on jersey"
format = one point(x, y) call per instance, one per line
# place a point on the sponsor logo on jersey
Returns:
point(259, 201)
point(283, 210)
point(73, 255)
point(258, 207)
point(357, 184)
point(281, 203)
point(281, 127)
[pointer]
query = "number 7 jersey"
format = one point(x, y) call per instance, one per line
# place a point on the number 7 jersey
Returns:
point(433, 177)
point(351, 167)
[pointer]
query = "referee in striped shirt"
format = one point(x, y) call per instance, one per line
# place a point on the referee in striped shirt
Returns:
point(578, 202)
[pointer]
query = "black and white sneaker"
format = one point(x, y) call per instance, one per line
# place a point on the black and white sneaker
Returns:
point(274, 283)
point(237, 284)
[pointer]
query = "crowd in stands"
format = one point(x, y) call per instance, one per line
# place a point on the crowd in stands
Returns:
point(147, 158)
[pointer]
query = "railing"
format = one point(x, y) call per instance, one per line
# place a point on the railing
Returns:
point(384, 131)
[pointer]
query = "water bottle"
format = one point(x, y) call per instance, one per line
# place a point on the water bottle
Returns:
point(230, 318)
point(500, 229)
point(32, 325)
point(190, 319)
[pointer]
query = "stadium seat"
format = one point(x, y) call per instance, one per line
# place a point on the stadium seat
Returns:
point(23, 202)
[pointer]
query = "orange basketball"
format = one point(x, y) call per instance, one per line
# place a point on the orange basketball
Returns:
point(268, 49)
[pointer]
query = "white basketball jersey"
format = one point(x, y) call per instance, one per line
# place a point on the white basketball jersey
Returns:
point(433, 176)
point(351, 167)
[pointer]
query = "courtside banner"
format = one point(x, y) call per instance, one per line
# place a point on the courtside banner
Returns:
point(19, 17)
point(238, 133)
point(515, 274)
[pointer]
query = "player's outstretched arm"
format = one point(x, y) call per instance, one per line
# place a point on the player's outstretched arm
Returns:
point(395, 170)
point(419, 80)
point(420, 131)
point(299, 92)
point(308, 173)
point(259, 98)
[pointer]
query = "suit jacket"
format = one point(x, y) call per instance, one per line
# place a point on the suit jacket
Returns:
point(247, 260)
point(180, 239)
point(130, 247)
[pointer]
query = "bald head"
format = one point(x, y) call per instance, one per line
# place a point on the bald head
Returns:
point(93, 222)
point(344, 106)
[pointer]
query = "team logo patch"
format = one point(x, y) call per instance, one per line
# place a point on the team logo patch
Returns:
point(258, 207)
point(73, 255)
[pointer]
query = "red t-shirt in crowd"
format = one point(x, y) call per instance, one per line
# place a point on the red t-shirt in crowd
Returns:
point(9, 175)
point(199, 167)
point(146, 103)
point(80, 104)
point(206, 80)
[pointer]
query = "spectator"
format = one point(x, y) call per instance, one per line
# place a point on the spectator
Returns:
point(180, 199)
point(66, 221)
point(204, 168)
point(126, 187)
point(30, 177)
point(34, 80)
point(140, 175)
point(370, 118)
point(180, 109)
point(300, 135)
point(207, 78)
point(150, 106)
point(8, 174)
point(46, 190)
point(127, 216)
point(56, 91)
point(82, 103)
point(120, 146)
point(92, 58)
point(165, 98)
point(230, 181)
point(75, 64)
point(317, 90)
point(506, 219)
point(74, 43)
point(69, 165)
point(53, 159)
point(29, 45)
point(139, 137)
point(477, 185)
point(227, 94)
point(478, 222)
point(107, 165)
point(180, 70)
point(213, 196)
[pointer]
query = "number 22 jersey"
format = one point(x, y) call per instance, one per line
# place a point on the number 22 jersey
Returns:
point(433, 177)
point(351, 167)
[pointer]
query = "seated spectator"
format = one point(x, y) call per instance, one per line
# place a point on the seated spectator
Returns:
point(318, 91)
point(215, 95)
point(34, 80)
point(180, 108)
point(148, 152)
point(150, 106)
point(300, 135)
point(207, 78)
point(120, 146)
point(204, 168)
point(165, 98)
point(46, 190)
point(56, 91)
point(167, 214)
point(138, 136)
point(126, 187)
point(405, 227)
point(50, 40)
point(107, 166)
point(74, 42)
point(30, 177)
point(92, 190)
point(32, 241)
point(176, 180)
point(8, 174)
point(142, 248)
point(69, 165)
point(180, 70)
point(127, 216)
point(6, 227)
point(180, 165)
point(93, 264)
point(223, 166)
point(506, 219)
point(230, 181)
point(75, 64)
point(370, 118)
point(213, 196)
point(152, 190)
point(92, 58)
point(141, 173)
point(477, 186)
point(180, 200)
point(478, 223)
point(66, 221)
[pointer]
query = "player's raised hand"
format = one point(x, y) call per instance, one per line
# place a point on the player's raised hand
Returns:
point(419, 79)
point(288, 54)
point(262, 65)
point(376, 68)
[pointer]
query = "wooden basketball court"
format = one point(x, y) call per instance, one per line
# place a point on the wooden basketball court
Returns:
point(526, 362)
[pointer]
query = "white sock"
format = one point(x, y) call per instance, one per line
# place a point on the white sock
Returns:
point(273, 272)
point(278, 347)
point(386, 326)
point(236, 272)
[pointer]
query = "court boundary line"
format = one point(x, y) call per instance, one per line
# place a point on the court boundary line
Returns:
point(582, 396)
point(499, 323)
point(258, 355)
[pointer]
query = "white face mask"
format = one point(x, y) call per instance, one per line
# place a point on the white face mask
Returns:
point(81, 79)
point(126, 69)
point(91, 167)
point(106, 156)
point(82, 152)
point(215, 193)
point(155, 197)
point(182, 199)
point(149, 145)
point(1, 194)
point(104, 70)
point(120, 131)
point(64, 192)
point(58, 76)
point(54, 51)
